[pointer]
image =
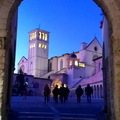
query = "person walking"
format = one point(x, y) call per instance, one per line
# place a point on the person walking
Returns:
point(46, 93)
point(25, 94)
point(62, 94)
point(79, 93)
point(88, 91)
point(56, 93)
point(66, 93)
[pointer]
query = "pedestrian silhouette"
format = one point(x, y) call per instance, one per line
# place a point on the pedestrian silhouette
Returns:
point(56, 93)
point(66, 93)
point(62, 94)
point(88, 91)
point(79, 93)
point(25, 93)
point(46, 93)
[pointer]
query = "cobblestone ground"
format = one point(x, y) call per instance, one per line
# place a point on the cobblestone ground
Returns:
point(34, 108)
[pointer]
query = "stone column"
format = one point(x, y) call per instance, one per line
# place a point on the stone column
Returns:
point(2, 80)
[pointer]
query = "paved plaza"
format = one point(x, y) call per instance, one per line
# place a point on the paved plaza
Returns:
point(34, 108)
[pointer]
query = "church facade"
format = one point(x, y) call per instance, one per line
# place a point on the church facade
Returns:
point(70, 68)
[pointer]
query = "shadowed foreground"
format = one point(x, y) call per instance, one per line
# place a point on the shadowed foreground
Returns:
point(34, 108)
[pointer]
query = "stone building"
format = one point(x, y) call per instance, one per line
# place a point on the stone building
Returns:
point(95, 81)
point(37, 62)
point(68, 68)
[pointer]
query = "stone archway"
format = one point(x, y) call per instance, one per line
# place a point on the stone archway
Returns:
point(111, 9)
point(56, 82)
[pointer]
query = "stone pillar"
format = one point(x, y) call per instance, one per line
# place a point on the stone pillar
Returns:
point(2, 80)
point(111, 10)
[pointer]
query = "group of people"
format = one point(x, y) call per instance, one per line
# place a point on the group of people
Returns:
point(88, 92)
point(63, 92)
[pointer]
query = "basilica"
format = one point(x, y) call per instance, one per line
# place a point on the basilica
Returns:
point(78, 68)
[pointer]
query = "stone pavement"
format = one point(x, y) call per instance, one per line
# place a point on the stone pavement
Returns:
point(34, 108)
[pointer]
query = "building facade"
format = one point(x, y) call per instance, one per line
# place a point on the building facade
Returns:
point(95, 81)
point(68, 68)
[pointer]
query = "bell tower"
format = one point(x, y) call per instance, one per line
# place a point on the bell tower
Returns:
point(38, 52)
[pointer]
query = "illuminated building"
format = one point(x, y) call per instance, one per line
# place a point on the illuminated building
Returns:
point(37, 62)
point(69, 68)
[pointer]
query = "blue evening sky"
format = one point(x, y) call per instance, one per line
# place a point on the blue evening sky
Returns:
point(70, 22)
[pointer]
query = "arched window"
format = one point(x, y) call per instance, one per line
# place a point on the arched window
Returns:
point(94, 91)
point(61, 64)
point(101, 91)
point(92, 94)
point(98, 95)
point(50, 67)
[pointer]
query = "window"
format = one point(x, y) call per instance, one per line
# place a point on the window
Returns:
point(39, 35)
point(81, 64)
point(45, 47)
point(45, 37)
point(99, 66)
point(32, 46)
point(76, 63)
point(61, 64)
point(39, 45)
point(95, 48)
point(42, 36)
point(50, 67)
point(32, 35)
point(42, 46)
point(70, 63)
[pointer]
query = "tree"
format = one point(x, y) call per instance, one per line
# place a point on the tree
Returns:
point(20, 83)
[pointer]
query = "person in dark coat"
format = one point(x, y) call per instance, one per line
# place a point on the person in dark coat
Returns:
point(62, 94)
point(46, 93)
point(56, 93)
point(88, 91)
point(66, 93)
point(79, 93)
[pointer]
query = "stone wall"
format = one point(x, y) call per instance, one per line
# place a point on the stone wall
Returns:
point(111, 66)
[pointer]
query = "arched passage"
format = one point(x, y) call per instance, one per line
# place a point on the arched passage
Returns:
point(95, 91)
point(101, 91)
point(111, 10)
point(56, 82)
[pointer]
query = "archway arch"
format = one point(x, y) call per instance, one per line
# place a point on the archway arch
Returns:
point(97, 91)
point(56, 82)
point(101, 91)
point(112, 13)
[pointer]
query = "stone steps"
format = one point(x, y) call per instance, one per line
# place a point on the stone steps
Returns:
point(52, 116)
